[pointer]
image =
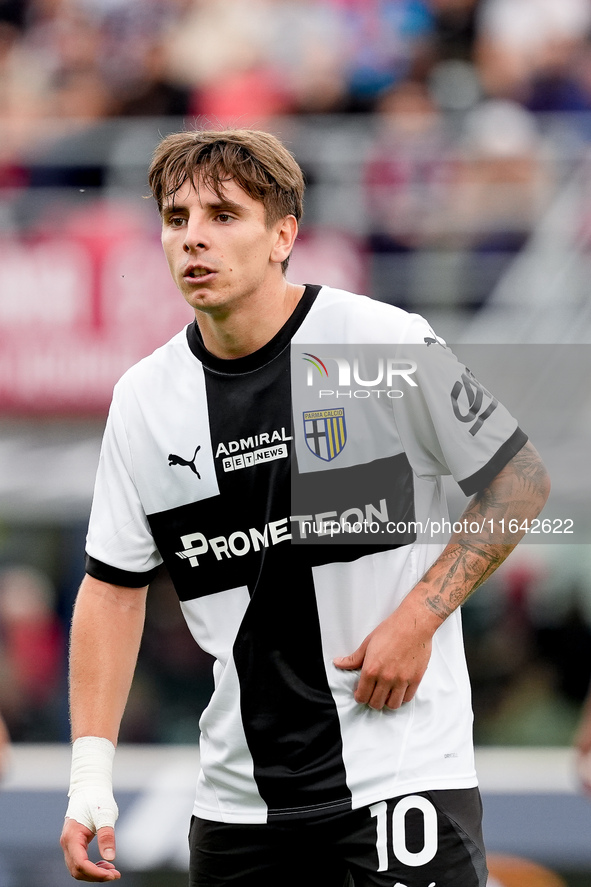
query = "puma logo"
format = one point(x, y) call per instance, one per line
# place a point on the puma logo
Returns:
point(430, 341)
point(178, 460)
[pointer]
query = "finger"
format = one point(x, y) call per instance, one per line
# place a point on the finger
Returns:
point(365, 689)
point(402, 694)
point(82, 869)
point(379, 698)
point(106, 842)
point(411, 689)
point(111, 873)
point(396, 699)
point(96, 873)
point(352, 662)
point(75, 840)
point(386, 696)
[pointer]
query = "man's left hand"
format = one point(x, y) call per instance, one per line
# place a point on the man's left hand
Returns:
point(392, 660)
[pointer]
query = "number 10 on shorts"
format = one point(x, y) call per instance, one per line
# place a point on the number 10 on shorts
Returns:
point(399, 842)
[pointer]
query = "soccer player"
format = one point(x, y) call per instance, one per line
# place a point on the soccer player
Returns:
point(337, 742)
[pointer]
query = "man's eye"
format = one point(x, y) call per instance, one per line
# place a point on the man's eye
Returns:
point(176, 221)
point(224, 217)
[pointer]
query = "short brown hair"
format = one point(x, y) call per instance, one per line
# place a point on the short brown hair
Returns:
point(257, 161)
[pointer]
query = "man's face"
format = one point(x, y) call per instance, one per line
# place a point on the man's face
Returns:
point(220, 252)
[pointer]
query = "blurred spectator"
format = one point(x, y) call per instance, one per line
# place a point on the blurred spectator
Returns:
point(406, 178)
point(249, 95)
point(15, 108)
point(31, 653)
point(77, 157)
point(134, 34)
point(384, 40)
point(217, 36)
point(446, 58)
point(13, 13)
point(500, 645)
point(150, 92)
point(500, 188)
point(525, 48)
point(63, 46)
point(308, 47)
point(406, 173)
point(500, 172)
point(529, 671)
point(559, 82)
point(566, 645)
point(219, 50)
point(453, 31)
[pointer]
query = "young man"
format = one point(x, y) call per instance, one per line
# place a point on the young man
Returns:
point(338, 736)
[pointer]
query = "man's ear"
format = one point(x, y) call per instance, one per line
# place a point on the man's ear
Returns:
point(287, 231)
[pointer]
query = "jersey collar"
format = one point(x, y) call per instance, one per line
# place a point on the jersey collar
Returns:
point(262, 356)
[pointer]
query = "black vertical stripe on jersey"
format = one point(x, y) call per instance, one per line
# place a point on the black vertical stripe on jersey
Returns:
point(288, 713)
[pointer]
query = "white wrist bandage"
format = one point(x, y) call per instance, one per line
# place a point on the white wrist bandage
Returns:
point(91, 783)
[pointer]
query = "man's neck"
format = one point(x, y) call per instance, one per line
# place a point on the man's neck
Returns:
point(242, 332)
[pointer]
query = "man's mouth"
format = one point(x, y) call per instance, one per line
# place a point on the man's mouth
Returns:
point(197, 272)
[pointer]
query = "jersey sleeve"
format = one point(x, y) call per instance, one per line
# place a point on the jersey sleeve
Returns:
point(449, 421)
point(120, 548)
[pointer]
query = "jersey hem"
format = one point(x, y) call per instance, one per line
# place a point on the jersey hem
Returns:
point(410, 787)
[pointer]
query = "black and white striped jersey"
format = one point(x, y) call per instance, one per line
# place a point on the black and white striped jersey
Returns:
point(293, 512)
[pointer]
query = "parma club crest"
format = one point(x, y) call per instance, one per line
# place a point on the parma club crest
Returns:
point(325, 432)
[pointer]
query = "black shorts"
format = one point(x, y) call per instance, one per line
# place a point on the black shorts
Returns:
point(428, 839)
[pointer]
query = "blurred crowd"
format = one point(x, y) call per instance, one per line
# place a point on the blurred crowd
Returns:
point(245, 59)
point(449, 90)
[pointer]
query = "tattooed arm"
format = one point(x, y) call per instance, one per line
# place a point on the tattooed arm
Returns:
point(394, 657)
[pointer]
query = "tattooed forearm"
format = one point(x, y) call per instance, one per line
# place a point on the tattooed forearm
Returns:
point(470, 567)
point(519, 491)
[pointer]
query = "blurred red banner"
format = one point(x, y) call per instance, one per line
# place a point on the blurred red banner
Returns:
point(75, 313)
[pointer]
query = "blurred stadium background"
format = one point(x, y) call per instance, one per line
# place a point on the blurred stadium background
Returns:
point(446, 145)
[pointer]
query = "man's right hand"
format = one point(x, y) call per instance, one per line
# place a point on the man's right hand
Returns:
point(75, 841)
point(91, 810)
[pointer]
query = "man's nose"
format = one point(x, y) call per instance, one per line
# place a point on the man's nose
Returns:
point(195, 236)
